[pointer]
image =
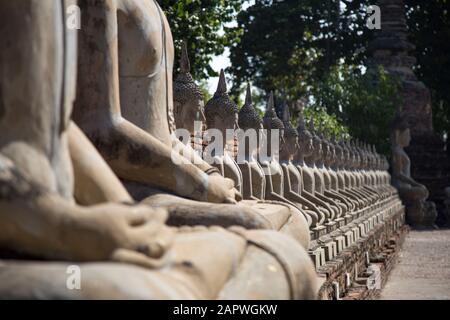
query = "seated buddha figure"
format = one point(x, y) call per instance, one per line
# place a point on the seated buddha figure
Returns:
point(328, 158)
point(270, 164)
point(305, 150)
point(253, 178)
point(337, 167)
point(188, 104)
point(292, 177)
point(313, 177)
point(379, 169)
point(358, 173)
point(382, 171)
point(368, 174)
point(61, 204)
point(348, 177)
point(124, 105)
point(222, 120)
point(412, 193)
point(370, 179)
point(222, 116)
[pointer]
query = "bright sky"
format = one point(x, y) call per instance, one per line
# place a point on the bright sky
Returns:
point(223, 61)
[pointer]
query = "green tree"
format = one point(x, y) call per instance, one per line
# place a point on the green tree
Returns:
point(288, 45)
point(364, 103)
point(202, 23)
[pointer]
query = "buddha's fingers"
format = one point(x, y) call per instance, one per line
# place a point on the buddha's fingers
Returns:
point(139, 259)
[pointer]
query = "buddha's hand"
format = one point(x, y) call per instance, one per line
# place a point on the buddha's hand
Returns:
point(130, 234)
point(221, 190)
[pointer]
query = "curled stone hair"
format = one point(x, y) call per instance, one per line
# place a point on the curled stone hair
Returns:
point(220, 104)
point(271, 120)
point(248, 117)
point(184, 87)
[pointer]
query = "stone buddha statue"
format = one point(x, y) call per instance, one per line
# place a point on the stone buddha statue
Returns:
point(349, 187)
point(125, 103)
point(292, 177)
point(133, 130)
point(254, 180)
point(339, 167)
point(271, 166)
point(329, 183)
point(307, 182)
point(313, 177)
point(188, 103)
point(357, 165)
point(357, 175)
point(333, 181)
point(412, 193)
point(60, 202)
point(383, 172)
point(368, 177)
point(222, 117)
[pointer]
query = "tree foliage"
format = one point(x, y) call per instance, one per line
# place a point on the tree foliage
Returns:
point(364, 103)
point(202, 23)
point(288, 45)
point(294, 47)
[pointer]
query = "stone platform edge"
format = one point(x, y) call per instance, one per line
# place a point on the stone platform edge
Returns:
point(360, 271)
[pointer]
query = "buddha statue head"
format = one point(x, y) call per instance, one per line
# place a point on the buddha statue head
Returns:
point(328, 150)
point(400, 132)
point(222, 113)
point(248, 116)
point(249, 119)
point(290, 145)
point(305, 138)
point(272, 122)
point(187, 96)
point(317, 153)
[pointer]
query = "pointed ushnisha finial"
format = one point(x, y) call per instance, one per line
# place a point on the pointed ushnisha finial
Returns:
point(271, 103)
point(185, 65)
point(288, 129)
point(271, 120)
point(222, 86)
point(248, 96)
point(220, 104)
point(248, 117)
point(270, 109)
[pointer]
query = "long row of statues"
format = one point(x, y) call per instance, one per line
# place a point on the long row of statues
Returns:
point(330, 183)
point(89, 176)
